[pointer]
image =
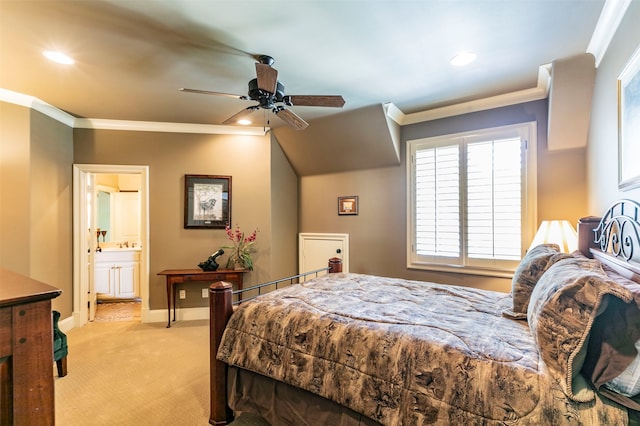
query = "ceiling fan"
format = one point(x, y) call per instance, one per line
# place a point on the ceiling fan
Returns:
point(269, 93)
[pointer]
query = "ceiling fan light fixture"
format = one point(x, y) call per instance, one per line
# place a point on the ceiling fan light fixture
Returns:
point(268, 92)
point(58, 57)
point(463, 58)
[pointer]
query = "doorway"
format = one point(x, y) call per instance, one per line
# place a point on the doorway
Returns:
point(87, 244)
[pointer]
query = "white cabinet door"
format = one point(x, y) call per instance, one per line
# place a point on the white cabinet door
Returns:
point(117, 274)
point(128, 280)
point(315, 250)
point(104, 278)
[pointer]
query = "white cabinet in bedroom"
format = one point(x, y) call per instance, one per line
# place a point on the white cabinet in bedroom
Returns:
point(117, 274)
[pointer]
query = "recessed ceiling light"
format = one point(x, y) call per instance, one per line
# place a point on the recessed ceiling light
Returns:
point(58, 57)
point(244, 122)
point(463, 58)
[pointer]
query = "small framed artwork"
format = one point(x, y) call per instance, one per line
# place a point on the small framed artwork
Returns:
point(207, 201)
point(348, 205)
point(629, 124)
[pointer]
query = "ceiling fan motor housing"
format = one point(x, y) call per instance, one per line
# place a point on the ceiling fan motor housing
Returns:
point(266, 99)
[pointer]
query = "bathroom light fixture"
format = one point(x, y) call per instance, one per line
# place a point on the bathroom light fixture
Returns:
point(58, 57)
point(463, 58)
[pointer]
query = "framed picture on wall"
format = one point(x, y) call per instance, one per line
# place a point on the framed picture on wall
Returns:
point(348, 205)
point(629, 124)
point(207, 201)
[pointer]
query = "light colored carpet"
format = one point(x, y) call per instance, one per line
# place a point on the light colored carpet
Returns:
point(129, 373)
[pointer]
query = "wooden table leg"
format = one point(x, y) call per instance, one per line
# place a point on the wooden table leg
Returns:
point(174, 301)
point(169, 302)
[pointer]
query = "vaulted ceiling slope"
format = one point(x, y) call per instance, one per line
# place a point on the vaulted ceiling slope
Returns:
point(359, 139)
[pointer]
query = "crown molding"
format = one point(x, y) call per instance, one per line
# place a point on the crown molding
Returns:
point(152, 126)
point(610, 17)
point(36, 104)
point(541, 91)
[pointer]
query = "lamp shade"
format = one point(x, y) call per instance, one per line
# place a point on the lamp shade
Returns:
point(558, 232)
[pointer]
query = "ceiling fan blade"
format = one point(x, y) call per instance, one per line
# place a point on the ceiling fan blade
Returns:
point(291, 119)
point(240, 115)
point(320, 100)
point(267, 77)
point(208, 92)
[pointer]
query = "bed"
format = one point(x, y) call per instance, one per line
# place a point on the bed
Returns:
point(353, 349)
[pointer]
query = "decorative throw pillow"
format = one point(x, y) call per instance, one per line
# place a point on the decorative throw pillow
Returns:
point(533, 264)
point(561, 311)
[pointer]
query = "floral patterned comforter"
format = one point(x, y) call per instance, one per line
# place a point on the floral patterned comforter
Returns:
point(404, 353)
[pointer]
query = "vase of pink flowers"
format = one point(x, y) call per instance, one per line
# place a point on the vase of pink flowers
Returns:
point(241, 248)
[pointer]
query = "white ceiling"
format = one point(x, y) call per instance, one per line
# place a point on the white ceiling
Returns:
point(133, 56)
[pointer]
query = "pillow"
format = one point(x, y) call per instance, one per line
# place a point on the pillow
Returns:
point(529, 271)
point(561, 311)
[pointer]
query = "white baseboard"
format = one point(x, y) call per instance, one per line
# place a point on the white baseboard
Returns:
point(66, 324)
point(155, 315)
point(184, 314)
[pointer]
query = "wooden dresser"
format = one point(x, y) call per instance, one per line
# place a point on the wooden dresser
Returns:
point(26, 351)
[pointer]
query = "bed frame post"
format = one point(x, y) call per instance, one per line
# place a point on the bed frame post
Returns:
point(220, 310)
point(586, 235)
point(335, 265)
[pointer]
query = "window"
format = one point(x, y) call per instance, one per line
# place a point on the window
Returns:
point(471, 200)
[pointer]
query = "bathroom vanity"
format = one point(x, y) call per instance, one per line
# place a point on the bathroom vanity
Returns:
point(117, 273)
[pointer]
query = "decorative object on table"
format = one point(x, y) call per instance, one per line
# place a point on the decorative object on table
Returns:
point(98, 240)
point(348, 205)
point(628, 124)
point(210, 264)
point(207, 201)
point(240, 251)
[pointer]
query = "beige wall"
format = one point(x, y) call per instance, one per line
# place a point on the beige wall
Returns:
point(15, 182)
point(35, 199)
point(247, 159)
point(377, 235)
point(284, 218)
point(603, 134)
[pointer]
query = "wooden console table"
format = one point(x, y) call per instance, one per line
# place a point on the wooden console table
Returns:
point(26, 350)
point(178, 276)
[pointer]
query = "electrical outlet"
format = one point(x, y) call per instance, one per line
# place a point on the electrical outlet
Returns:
point(205, 293)
point(183, 294)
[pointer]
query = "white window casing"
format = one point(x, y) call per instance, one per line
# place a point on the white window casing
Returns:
point(471, 200)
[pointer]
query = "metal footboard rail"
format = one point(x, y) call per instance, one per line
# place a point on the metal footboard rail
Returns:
point(220, 310)
point(294, 279)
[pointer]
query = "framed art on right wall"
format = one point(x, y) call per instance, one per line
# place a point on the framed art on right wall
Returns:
point(629, 124)
point(348, 205)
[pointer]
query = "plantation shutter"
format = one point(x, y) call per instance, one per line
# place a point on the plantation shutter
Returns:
point(438, 201)
point(468, 200)
point(494, 199)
